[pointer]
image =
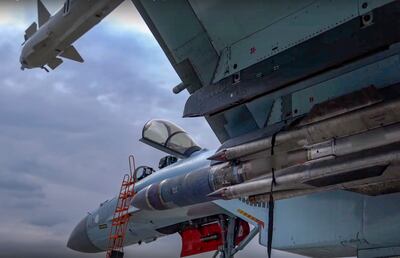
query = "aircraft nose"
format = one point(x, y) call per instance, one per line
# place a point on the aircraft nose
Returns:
point(79, 239)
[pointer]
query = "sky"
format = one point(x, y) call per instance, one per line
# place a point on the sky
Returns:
point(65, 136)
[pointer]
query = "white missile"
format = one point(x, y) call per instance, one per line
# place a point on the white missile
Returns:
point(51, 39)
point(227, 174)
point(341, 173)
point(304, 137)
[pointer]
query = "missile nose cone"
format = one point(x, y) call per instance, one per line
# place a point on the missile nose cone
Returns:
point(79, 239)
point(219, 156)
point(220, 193)
point(24, 63)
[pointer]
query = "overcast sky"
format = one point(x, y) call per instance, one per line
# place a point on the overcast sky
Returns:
point(65, 136)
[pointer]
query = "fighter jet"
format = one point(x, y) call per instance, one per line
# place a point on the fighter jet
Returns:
point(51, 39)
point(201, 225)
point(304, 97)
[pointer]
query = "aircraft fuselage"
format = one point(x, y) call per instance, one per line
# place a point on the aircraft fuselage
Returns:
point(91, 234)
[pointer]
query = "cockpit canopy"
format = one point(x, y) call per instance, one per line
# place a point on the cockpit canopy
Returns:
point(168, 137)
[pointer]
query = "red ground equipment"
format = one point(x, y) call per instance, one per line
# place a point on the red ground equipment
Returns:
point(206, 238)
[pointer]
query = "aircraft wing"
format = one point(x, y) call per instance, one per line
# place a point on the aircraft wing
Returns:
point(184, 40)
point(263, 69)
point(229, 53)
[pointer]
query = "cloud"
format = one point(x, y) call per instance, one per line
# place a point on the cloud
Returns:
point(65, 136)
point(126, 18)
point(21, 13)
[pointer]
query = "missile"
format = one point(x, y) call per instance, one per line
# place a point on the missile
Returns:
point(357, 121)
point(51, 39)
point(280, 195)
point(231, 180)
point(232, 174)
point(340, 173)
point(318, 151)
point(286, 194)
point(242, 150)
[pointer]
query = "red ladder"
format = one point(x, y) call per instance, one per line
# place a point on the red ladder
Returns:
point(119, 223)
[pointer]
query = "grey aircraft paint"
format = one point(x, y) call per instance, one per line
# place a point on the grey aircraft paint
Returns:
point(320, 64)
point(51, 39)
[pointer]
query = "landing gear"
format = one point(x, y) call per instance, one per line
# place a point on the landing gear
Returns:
point(231, 230)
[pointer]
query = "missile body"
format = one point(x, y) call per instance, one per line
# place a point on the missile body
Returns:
point(347, 124)
point(47, 42)
point(297, 178)
point(303, 158)
point(330, 149)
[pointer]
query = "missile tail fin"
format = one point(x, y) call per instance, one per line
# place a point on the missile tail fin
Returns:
point(73, 54)
point(43, 13)
point(30, 31)
point(54, 63)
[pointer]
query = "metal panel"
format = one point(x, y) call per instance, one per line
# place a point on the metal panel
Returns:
point(287, 32)
point(261, 109)
point(382, 220)
point(239, 121)
point(276, 112)
point(379, 252)
point(183, 39)
point(379, 74)
point(228, 21)
point(379, 70)
point(366, 6)
point(328, 224)
point(175, 20)
point(327, 219)
point(336, 47)
point(236, 206)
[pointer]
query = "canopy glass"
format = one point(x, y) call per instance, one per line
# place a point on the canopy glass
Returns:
point(168, 137)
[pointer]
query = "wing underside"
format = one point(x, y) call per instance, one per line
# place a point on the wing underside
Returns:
point(278, 82)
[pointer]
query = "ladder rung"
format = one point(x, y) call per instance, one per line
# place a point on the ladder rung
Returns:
point(127, 183)
point(119, 223)
point(123, 217)
point(121, 209)
point(115, 236)
point(126, 196)
point(123, 221)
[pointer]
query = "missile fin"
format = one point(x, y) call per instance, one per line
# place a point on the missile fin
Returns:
point(43, 13)
point(54, 63)
point(71, 53)
point(30, 31)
